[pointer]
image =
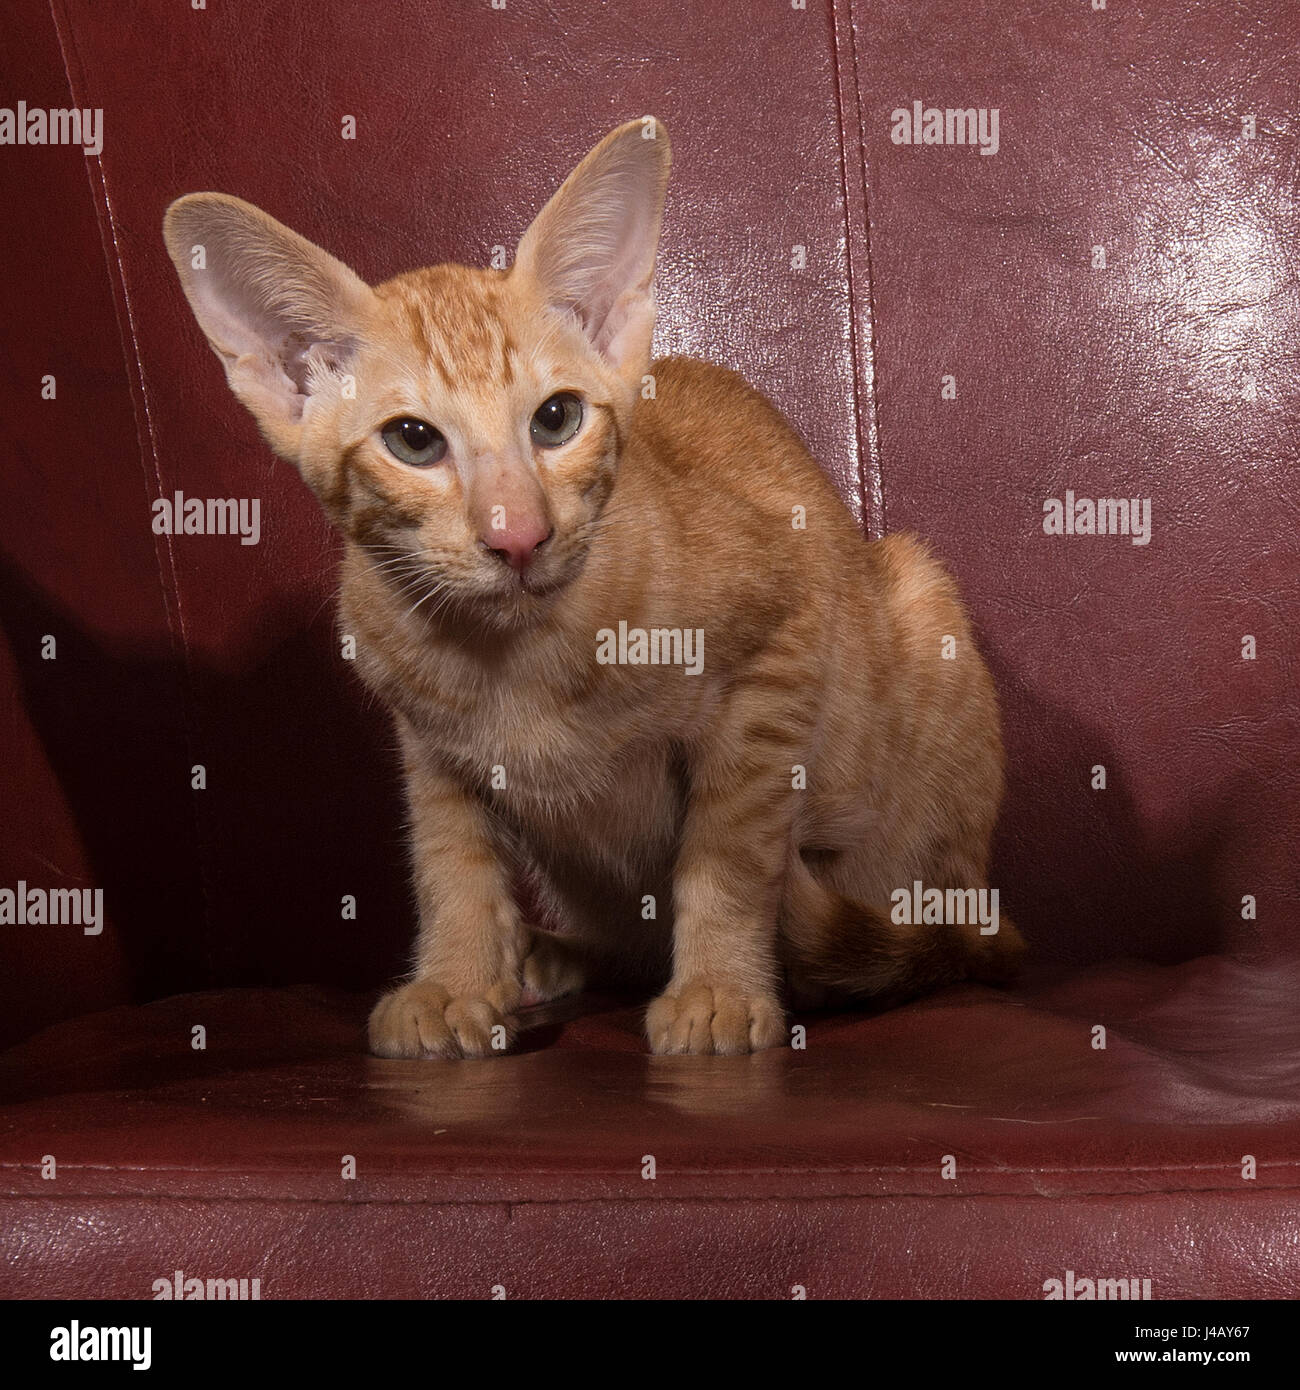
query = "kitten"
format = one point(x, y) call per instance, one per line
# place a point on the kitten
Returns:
point(513, 479)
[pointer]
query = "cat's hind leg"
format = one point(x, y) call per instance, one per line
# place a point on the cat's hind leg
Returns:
point(837, 948)
point(554, 967)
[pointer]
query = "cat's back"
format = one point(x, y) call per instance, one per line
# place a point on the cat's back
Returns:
point(706, 430)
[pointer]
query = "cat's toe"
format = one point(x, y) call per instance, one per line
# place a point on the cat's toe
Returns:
point(421, 1019)
point(706, 1021)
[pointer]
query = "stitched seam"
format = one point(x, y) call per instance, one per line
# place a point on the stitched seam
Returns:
point(83, 1198)
point(146, 437)
point(848, 259)
point(1006, 1170)
point(873, 424)
point(867, 426)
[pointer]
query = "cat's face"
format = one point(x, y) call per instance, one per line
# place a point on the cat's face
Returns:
point(461, 426)
point(479, 449)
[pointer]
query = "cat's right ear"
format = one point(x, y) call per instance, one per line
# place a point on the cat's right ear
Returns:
point(282, 314)
point(591, 249)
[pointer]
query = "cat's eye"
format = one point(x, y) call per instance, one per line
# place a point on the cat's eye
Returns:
point(414, 441)
point(556, 420)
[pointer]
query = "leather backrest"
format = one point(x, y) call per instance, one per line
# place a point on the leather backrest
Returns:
point(845, 274)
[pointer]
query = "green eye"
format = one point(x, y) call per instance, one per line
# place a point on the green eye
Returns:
point(414, 442)
point(556, 420)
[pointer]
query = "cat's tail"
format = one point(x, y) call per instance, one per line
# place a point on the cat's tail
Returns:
point(836, 948)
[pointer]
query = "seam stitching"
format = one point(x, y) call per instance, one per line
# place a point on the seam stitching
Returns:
point(146, 437)
point(861, 279)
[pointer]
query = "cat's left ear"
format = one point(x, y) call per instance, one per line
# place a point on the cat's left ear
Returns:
point(591, 249)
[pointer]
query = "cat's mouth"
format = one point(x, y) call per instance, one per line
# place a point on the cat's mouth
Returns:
point(520, 598)
point(514, 600)
point(516, 604)
point(435, 591)
point(544, 580)
point(542, 585)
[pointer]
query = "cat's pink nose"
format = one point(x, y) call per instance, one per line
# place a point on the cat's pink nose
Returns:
point(517, 545)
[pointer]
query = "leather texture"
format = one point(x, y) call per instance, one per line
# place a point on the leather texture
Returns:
point(847, 276)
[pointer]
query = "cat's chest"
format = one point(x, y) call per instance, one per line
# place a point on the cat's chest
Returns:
point(532, 747)
point(581, 759)
point(601, 789)
point(535, 743)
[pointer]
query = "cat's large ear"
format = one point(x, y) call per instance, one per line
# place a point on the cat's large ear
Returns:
point(281, 313)
point(591, 249)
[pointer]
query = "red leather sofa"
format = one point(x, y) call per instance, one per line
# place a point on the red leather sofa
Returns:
point(1107, 306)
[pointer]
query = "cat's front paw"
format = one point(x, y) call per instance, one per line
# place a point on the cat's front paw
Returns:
point(714, 1021)
point(422, 1019)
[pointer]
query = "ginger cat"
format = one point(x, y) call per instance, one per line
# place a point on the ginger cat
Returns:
point(513, 479)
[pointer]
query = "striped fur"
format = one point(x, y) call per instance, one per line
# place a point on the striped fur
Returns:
point(726, 834)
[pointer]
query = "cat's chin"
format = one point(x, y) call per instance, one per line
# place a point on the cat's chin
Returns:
point(535, 591)
point(543, 589)
point(518, 605)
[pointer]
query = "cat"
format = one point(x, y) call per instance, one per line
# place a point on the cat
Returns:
point(515, 481)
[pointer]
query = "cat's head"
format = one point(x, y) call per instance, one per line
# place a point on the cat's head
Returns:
point(462, 426)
